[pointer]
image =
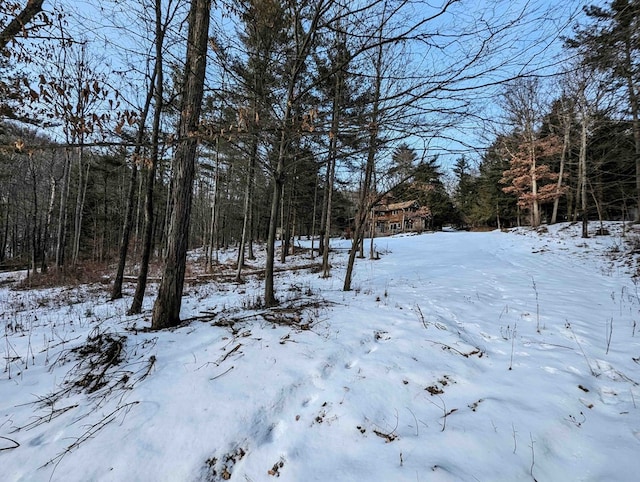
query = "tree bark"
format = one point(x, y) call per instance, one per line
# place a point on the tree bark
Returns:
point(303, 46)
point(62, 215)
point(215, 215)
point(147, 246)
point(582, 169)
point(566, 124)
point(248, 201)
point(116, 291)
point(372, 150)
point(278, 186)
point(166, 310)
point(83, 182)
point(47, 225)
point(19, 23)
point(331, 169)
point(34, 217)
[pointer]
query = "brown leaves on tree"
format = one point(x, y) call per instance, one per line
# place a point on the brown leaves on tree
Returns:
point(528, 169)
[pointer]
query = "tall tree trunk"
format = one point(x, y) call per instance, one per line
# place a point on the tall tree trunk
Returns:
point(5, 231)
point(331, 169)
point(582, 170)
point(313, 217)
point(372, 150)
point(248, 202)
point(215, 215)
point(83, 182)
point(566, 123)
point(362, 213)
point(62, 215)
point(147, 243)
point(116, 291)
point(372, 232)
point(147, 246)
point(323, 211)
point(303, 46)
point(372, 225)
point(326, 210)
point(34, 217)
point(166, 310)
point(535, 211)
point(287, 204)
point(47, 224)
point(276, 198)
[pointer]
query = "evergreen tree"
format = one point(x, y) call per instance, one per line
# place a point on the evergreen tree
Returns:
point(465, 190)
point(611, 44)
point(493, 207)
point(428, 189)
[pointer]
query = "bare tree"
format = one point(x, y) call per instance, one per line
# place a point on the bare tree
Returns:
point(158, 92)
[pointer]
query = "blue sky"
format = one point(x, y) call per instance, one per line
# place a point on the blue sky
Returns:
point(530, 42)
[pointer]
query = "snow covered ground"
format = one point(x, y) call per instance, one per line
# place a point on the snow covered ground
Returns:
point(457, 357)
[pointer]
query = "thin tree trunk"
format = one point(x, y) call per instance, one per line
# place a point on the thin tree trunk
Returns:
point(116, 291)
point(3, 234)
point(147, 243)
point(327, 207)
point(372, 233)
point(323, 211)
point(313, 216)
point(147, 246)
point(62, 215)
point(331, 169)
point(34, 217)
point(214, 239)
point(248, 201)
point(302, 51)
point(535, 214)
point(47, 225)
point(565, 147)
point(285, 220)
point(363, 201)
point(80, 197)
point(361, 215)
point(269, 292)
point(582, 170)
point(166, 310)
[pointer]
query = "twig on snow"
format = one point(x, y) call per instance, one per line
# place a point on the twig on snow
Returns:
point(15, 444)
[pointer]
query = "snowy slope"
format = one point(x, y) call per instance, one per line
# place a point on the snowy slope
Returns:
point(457, 357)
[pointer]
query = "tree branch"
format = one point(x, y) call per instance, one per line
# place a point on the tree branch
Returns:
point(18, 24)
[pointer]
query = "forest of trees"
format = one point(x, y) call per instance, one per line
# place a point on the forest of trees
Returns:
point(135, 131)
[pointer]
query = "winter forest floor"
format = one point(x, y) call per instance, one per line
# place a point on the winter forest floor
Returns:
point(497, 356)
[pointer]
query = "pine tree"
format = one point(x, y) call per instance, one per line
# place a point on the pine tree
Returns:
point(611, 44)
point(466, 188)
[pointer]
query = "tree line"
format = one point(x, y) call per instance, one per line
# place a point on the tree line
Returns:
point(244, 121)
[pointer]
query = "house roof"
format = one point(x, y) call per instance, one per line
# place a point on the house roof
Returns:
point(401, 205)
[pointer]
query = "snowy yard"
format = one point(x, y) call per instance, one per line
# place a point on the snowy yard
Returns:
point(457, 357)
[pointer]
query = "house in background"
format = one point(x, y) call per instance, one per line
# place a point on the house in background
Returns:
point(400, 217)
